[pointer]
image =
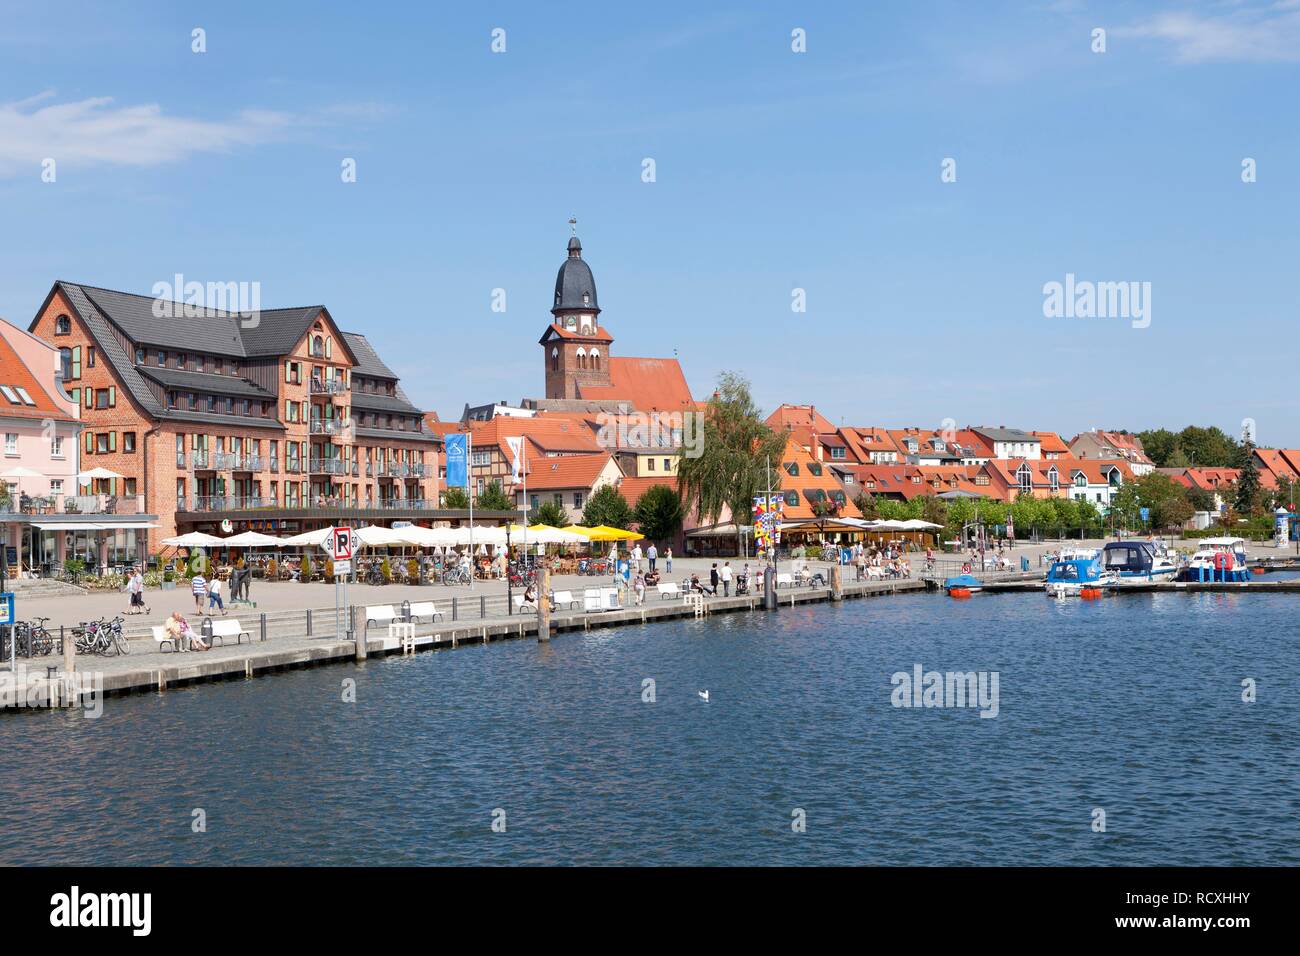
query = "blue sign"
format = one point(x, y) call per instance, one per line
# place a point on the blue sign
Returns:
point(6, 609)
point(1146, 513)
point(457, 449)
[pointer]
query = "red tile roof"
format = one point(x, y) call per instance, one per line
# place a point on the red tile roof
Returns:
point(1051, 443)
point(799, 416)
point(806, 481)
point(566, 471)
point(599, 333)
point(633, 488)
point(647, 384)
point(15, 374)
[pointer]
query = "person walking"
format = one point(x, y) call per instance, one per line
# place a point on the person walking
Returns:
point(668, 559)
point(636, 558)
point(714, 578)
point(725, 575)
point(135, 592)
point(638, 586)
point(214, 596)
point(651, 554)
point(199, 588)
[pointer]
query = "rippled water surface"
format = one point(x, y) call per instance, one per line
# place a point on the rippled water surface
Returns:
point(1131, 704)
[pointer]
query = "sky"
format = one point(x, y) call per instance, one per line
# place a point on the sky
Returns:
point(773, 171)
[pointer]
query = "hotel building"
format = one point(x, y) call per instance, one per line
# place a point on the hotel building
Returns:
point(278, 422)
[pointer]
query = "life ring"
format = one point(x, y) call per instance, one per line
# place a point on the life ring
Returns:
point(1222, 561)
point(965, 568)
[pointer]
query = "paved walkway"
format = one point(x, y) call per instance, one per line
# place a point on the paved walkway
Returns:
point(283, 596)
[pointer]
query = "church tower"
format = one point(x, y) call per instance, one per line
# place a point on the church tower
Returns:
point(575, 347)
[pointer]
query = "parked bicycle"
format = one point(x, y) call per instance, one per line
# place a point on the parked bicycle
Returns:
point(455, 575)
point(32, 639)
point(101, 637)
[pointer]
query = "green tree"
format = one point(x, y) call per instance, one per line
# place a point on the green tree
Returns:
point(1175, 512)
point(1160, 444)
point(608, 507)
point(1248, 498)
point(1200, 499)
point(867, 504)
point(659, 513)
point(455, 497)
point(1208, 447)
point(1176, 459)
point(548, 512)
point(732, 464)
point(492, 498)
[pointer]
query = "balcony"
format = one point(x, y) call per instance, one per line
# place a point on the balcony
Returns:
point(413, 504)
point(201, 461)
point(335, 386)
point(328, 466)
point(217, 503)
point(76, 505)
point(293, 466)
point(330, 426)
point(248, 463)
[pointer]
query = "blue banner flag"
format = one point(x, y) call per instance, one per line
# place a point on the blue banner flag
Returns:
point(457, 451)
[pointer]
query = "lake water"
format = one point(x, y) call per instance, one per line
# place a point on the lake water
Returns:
point(1131, 704)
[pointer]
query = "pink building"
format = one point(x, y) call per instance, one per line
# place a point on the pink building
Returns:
point(43, 513)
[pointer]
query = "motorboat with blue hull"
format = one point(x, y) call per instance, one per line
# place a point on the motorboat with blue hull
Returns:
point(1137, 561)
point(967, 583)
point(1071, 577)
point(1218, 561)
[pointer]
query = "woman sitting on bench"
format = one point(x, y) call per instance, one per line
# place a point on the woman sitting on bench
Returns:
point(179, 630)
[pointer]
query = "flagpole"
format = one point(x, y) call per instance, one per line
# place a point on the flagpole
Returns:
point(469, 489)
point(523, 450)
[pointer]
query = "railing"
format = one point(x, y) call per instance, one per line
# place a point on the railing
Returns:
point(201, 460)
point(293, 466)
point(335, 386)
point(247, 463)
point(328, 466)
point(227, 503)
point(330, 426)
point(76, 505)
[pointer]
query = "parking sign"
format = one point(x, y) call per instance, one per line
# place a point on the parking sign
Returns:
point(341, 544)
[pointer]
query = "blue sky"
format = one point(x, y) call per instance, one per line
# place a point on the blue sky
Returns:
point(774, 170)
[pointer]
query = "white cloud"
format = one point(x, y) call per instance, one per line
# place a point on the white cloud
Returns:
point(93, 131)
point(1269, 33)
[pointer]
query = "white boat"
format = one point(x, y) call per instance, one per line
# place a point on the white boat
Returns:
point(1138, 560)
point(1070, 578)
point(1218, 560)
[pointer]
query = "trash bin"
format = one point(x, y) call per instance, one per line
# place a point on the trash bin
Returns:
point(1024, 563)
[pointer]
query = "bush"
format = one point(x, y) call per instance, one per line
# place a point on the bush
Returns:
point(329, 570)
point(304, 573)
point(413, 570)
point(385, 572)
point(272, 570)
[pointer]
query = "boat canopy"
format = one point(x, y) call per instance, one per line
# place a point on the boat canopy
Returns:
point(1130, 556)
point(1223, 542)
point(1074, 569)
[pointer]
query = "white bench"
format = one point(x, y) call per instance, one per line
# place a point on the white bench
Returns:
point(564, 597)
point(669, 589)
point(163, 638)
point(383, 614)
point(519, 603)
point(229, 627)
point(786, 580)
point(424, 609)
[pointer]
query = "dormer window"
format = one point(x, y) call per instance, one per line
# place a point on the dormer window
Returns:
point(63, 325)
point(586, 298)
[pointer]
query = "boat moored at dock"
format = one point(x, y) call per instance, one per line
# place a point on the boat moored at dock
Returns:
point(1073, 576)
point(1138, 560)
point(1218, 560)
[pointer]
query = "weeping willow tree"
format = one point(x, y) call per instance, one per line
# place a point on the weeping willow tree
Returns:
point(728, 467)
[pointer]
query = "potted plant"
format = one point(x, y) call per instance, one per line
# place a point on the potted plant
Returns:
point(304, 575)
point(413, 571)
point(385, 572)
point(271, 570)
point(329, 570)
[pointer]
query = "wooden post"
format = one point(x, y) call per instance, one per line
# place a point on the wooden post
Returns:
point(769, 588)
point(837, 584)
point(544, 607)
point(360, 635)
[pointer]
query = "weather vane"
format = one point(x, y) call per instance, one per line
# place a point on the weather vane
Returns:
point(573, 224)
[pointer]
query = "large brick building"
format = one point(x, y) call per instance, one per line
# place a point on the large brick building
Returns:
point(279, 422)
